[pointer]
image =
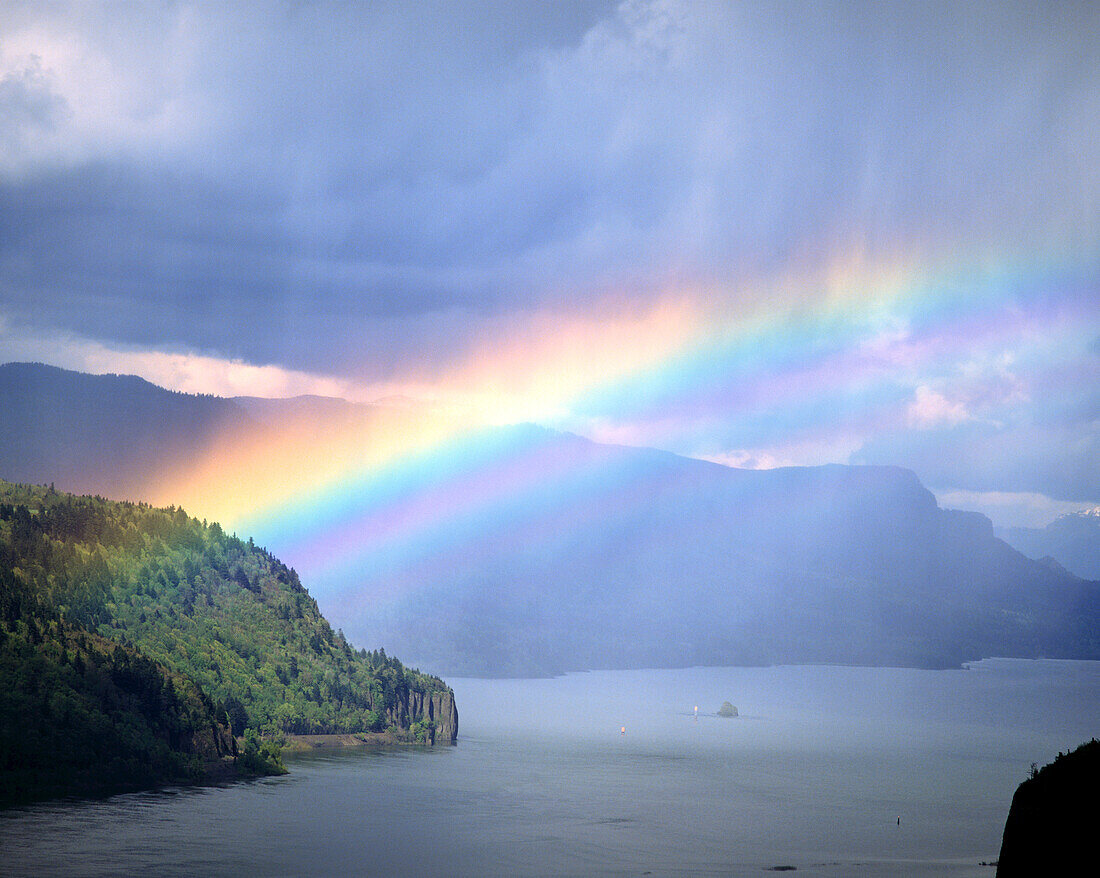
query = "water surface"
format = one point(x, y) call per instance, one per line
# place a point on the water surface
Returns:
point(815, 773)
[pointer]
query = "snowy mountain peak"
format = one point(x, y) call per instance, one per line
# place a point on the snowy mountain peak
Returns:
point(1084, 513)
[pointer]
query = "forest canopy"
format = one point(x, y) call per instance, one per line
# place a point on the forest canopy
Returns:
point(209, 606)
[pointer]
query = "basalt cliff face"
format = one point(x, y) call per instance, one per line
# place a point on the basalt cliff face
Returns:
point(436, 709)
point(212, 745)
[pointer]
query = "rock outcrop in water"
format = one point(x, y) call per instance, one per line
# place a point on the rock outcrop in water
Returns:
point(1051, 825)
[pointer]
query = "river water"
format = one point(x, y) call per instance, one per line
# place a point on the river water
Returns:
point(815, 773)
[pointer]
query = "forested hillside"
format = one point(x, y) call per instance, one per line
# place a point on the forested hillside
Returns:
point(80, 713)
point(213, 607)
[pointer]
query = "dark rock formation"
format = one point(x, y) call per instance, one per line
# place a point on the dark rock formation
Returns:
point(213, 744)
point(437, 708)
point(442, 709)
point(1051, 826)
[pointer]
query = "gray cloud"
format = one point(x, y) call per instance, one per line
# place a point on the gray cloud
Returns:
point(1046, 442)
point(1057, 462)
point(28, 106)
point(346, 187)
point(481, 156)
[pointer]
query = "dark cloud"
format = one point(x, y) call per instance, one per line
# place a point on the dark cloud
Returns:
point(486, 155)
point(344, 188)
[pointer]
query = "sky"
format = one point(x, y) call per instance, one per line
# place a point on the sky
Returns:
point(762, 234)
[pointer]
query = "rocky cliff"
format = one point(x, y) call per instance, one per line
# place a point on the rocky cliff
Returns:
point(212, 745)
point(1051, 825)
point(437, 710)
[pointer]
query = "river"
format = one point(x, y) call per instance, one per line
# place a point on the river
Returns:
point(830, 770)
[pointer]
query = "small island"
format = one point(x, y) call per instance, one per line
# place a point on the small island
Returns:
point(727, 710)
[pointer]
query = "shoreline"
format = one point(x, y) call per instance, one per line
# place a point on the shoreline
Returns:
point(309, 743)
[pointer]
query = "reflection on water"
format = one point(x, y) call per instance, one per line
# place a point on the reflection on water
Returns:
point(815, 773)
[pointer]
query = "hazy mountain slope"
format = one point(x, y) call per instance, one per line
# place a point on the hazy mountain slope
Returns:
point(317, 409)
point(667, 561)
point(102, 434)
point(1072, 540)
point(598, 556)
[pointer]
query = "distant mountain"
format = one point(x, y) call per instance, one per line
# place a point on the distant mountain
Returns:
point(121, 437)
point(638, 558)
point(1072, 540)
point(103, 434)
point(318, 409)
point(623, 557)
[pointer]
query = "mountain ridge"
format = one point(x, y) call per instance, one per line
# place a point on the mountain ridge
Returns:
point(613, 556)
point(1072, 539)
point(103, 434)
point(723, 566)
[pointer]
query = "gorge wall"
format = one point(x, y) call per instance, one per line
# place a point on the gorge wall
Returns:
point(437, 708)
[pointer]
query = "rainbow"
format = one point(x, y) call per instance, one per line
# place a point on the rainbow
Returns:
point(799, 370)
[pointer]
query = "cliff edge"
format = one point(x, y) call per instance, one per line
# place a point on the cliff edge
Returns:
point(1051, 824)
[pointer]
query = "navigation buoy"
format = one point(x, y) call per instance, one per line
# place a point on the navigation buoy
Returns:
point(623, 732)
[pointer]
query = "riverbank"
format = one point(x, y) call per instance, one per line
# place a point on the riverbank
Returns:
point(308, 743)
point(22, 787)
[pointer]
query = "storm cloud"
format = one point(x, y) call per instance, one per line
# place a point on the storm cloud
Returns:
point(348, 189)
